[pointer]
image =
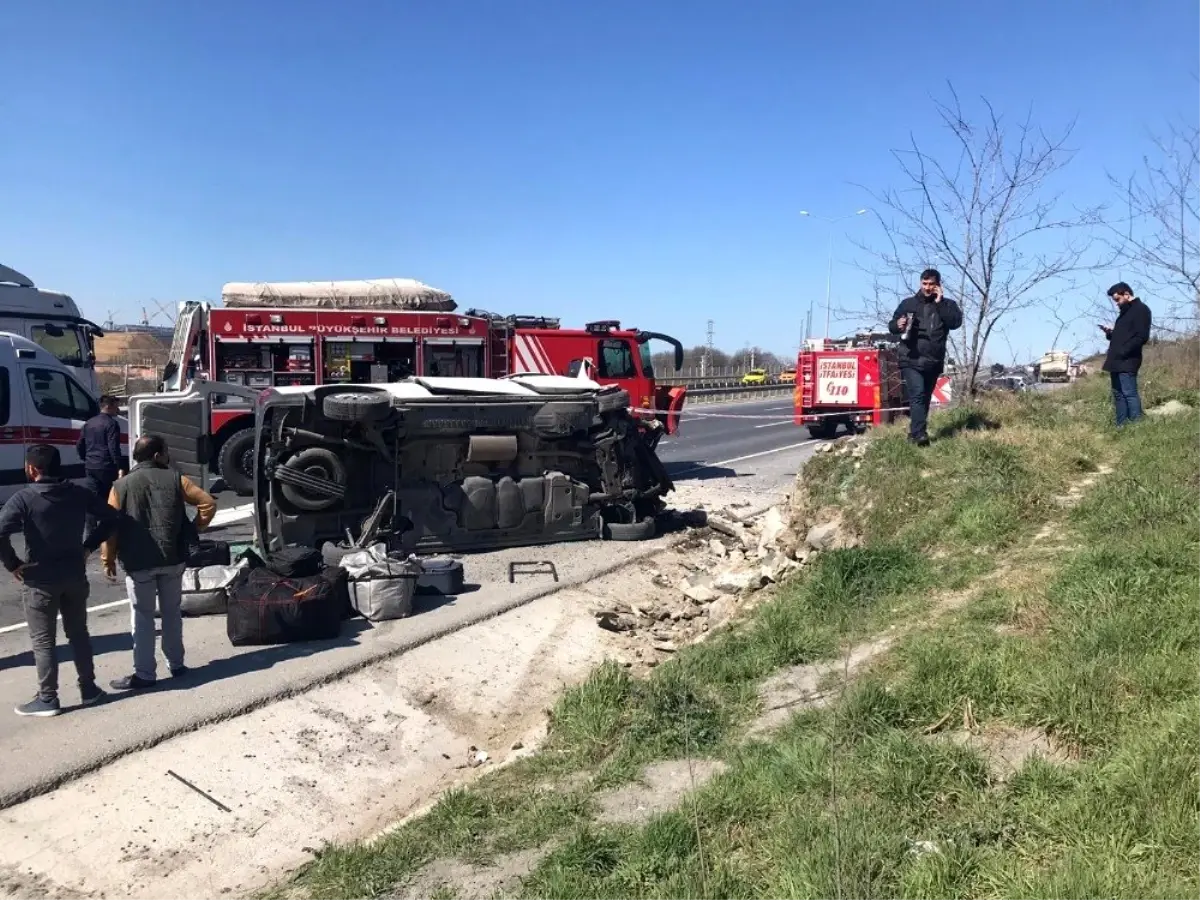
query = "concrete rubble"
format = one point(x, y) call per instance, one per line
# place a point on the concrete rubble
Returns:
point(723, 567)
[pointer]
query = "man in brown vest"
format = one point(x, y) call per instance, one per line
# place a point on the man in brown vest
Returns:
point(149, 542)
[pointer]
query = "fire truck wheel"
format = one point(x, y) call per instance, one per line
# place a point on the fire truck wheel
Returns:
point(236, 462)
point(316, 462)
point(630, 531)
point(823, 430)
point(357, 407)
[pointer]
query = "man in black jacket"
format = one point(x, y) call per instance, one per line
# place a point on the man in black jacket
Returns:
point(99, 447)
point(51, 513)
point(1126, 337)
point(923, 322)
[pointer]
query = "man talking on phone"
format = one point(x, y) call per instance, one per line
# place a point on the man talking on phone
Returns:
point(1126, 337)
point(923, 322)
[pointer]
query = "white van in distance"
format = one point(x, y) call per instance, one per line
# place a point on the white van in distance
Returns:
point(41, 402)
point(52, 321)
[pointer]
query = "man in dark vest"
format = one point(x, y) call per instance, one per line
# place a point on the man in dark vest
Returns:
point(149, 541)
point(51, 515)
point(923, 322)
point(1126, 337)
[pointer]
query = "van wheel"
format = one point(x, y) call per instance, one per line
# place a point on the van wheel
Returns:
point(236, 462)
point(357, 407)
point(631, 531)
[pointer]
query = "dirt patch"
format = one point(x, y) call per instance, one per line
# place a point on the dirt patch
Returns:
point(471, 881)
point(660, 788)
point(1007, 749)
point(807, 686)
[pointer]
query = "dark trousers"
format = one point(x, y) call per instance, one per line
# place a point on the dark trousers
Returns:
point(42, 607)
point(918, 387)
point(99, 482)
point(1127, 403)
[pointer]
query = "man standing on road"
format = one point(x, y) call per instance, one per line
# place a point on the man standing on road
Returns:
point(51, 514)
point(923, 322)
point(151, 544)
point(1126, 337)
point(99, 448)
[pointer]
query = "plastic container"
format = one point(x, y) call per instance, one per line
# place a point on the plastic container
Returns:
point(440, 576)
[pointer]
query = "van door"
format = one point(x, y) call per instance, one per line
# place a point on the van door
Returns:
point(12, 438)
point(184, 419)
point(56, 407)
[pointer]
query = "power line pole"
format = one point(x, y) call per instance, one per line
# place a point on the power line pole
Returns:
point(706, 359)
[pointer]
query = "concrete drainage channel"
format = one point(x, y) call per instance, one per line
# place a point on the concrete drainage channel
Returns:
point(341, 757)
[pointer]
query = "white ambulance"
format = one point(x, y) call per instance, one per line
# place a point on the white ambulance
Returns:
point(42, 401)
point(51, 320)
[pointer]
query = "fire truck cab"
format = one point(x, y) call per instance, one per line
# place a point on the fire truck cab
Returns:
point(602, 351)
point(314, 340)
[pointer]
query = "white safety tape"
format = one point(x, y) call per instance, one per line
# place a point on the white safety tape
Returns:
point(696, 414)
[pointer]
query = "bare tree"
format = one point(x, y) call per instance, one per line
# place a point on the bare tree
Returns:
point(985, 217)
point(1157, 238)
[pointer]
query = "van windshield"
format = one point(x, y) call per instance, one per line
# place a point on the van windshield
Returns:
point(65, 341)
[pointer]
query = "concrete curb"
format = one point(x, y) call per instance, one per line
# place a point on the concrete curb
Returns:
point(50, 783)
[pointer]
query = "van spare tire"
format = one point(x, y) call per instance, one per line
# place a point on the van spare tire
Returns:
point(318, 463)
point(357, 406)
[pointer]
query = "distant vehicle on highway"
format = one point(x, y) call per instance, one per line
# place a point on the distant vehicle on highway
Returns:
point(1009, 383)
point(1054, 366)
point(787, 376)
point(755, 376)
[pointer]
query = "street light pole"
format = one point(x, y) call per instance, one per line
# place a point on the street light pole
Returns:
point(829, 272)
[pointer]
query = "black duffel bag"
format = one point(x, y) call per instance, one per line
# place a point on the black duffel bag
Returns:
point(268, 608)
point(295, 562)
point(208, 553)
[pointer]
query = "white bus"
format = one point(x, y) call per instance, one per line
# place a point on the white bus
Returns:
point(52, 321)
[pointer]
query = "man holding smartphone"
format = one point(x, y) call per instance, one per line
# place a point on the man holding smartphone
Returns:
point(1126, 337)
point(923, 322)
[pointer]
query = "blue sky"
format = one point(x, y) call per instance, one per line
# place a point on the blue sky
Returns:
point(644, 161)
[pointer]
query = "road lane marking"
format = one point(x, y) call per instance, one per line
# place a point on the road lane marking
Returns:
point(773, 424)
point(726, 462)
point(100, 606)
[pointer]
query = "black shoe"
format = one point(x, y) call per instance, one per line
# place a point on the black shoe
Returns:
point(38, 707)
point(922, 442)
point(131, 683)
point(91, 693)
point(180, 672)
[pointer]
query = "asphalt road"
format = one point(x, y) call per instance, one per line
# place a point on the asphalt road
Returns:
point(746, 450)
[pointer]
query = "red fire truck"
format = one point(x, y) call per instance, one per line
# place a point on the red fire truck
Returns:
point(267, 346)
point(854, 382)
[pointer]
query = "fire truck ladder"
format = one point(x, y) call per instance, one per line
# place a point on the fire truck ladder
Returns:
point(499, 338)
point(186, 326)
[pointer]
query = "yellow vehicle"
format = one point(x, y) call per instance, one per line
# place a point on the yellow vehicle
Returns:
point(787, 376)
point(755, 376)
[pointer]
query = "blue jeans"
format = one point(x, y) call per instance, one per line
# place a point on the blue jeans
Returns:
point(918, 387)
point(1125, 397)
